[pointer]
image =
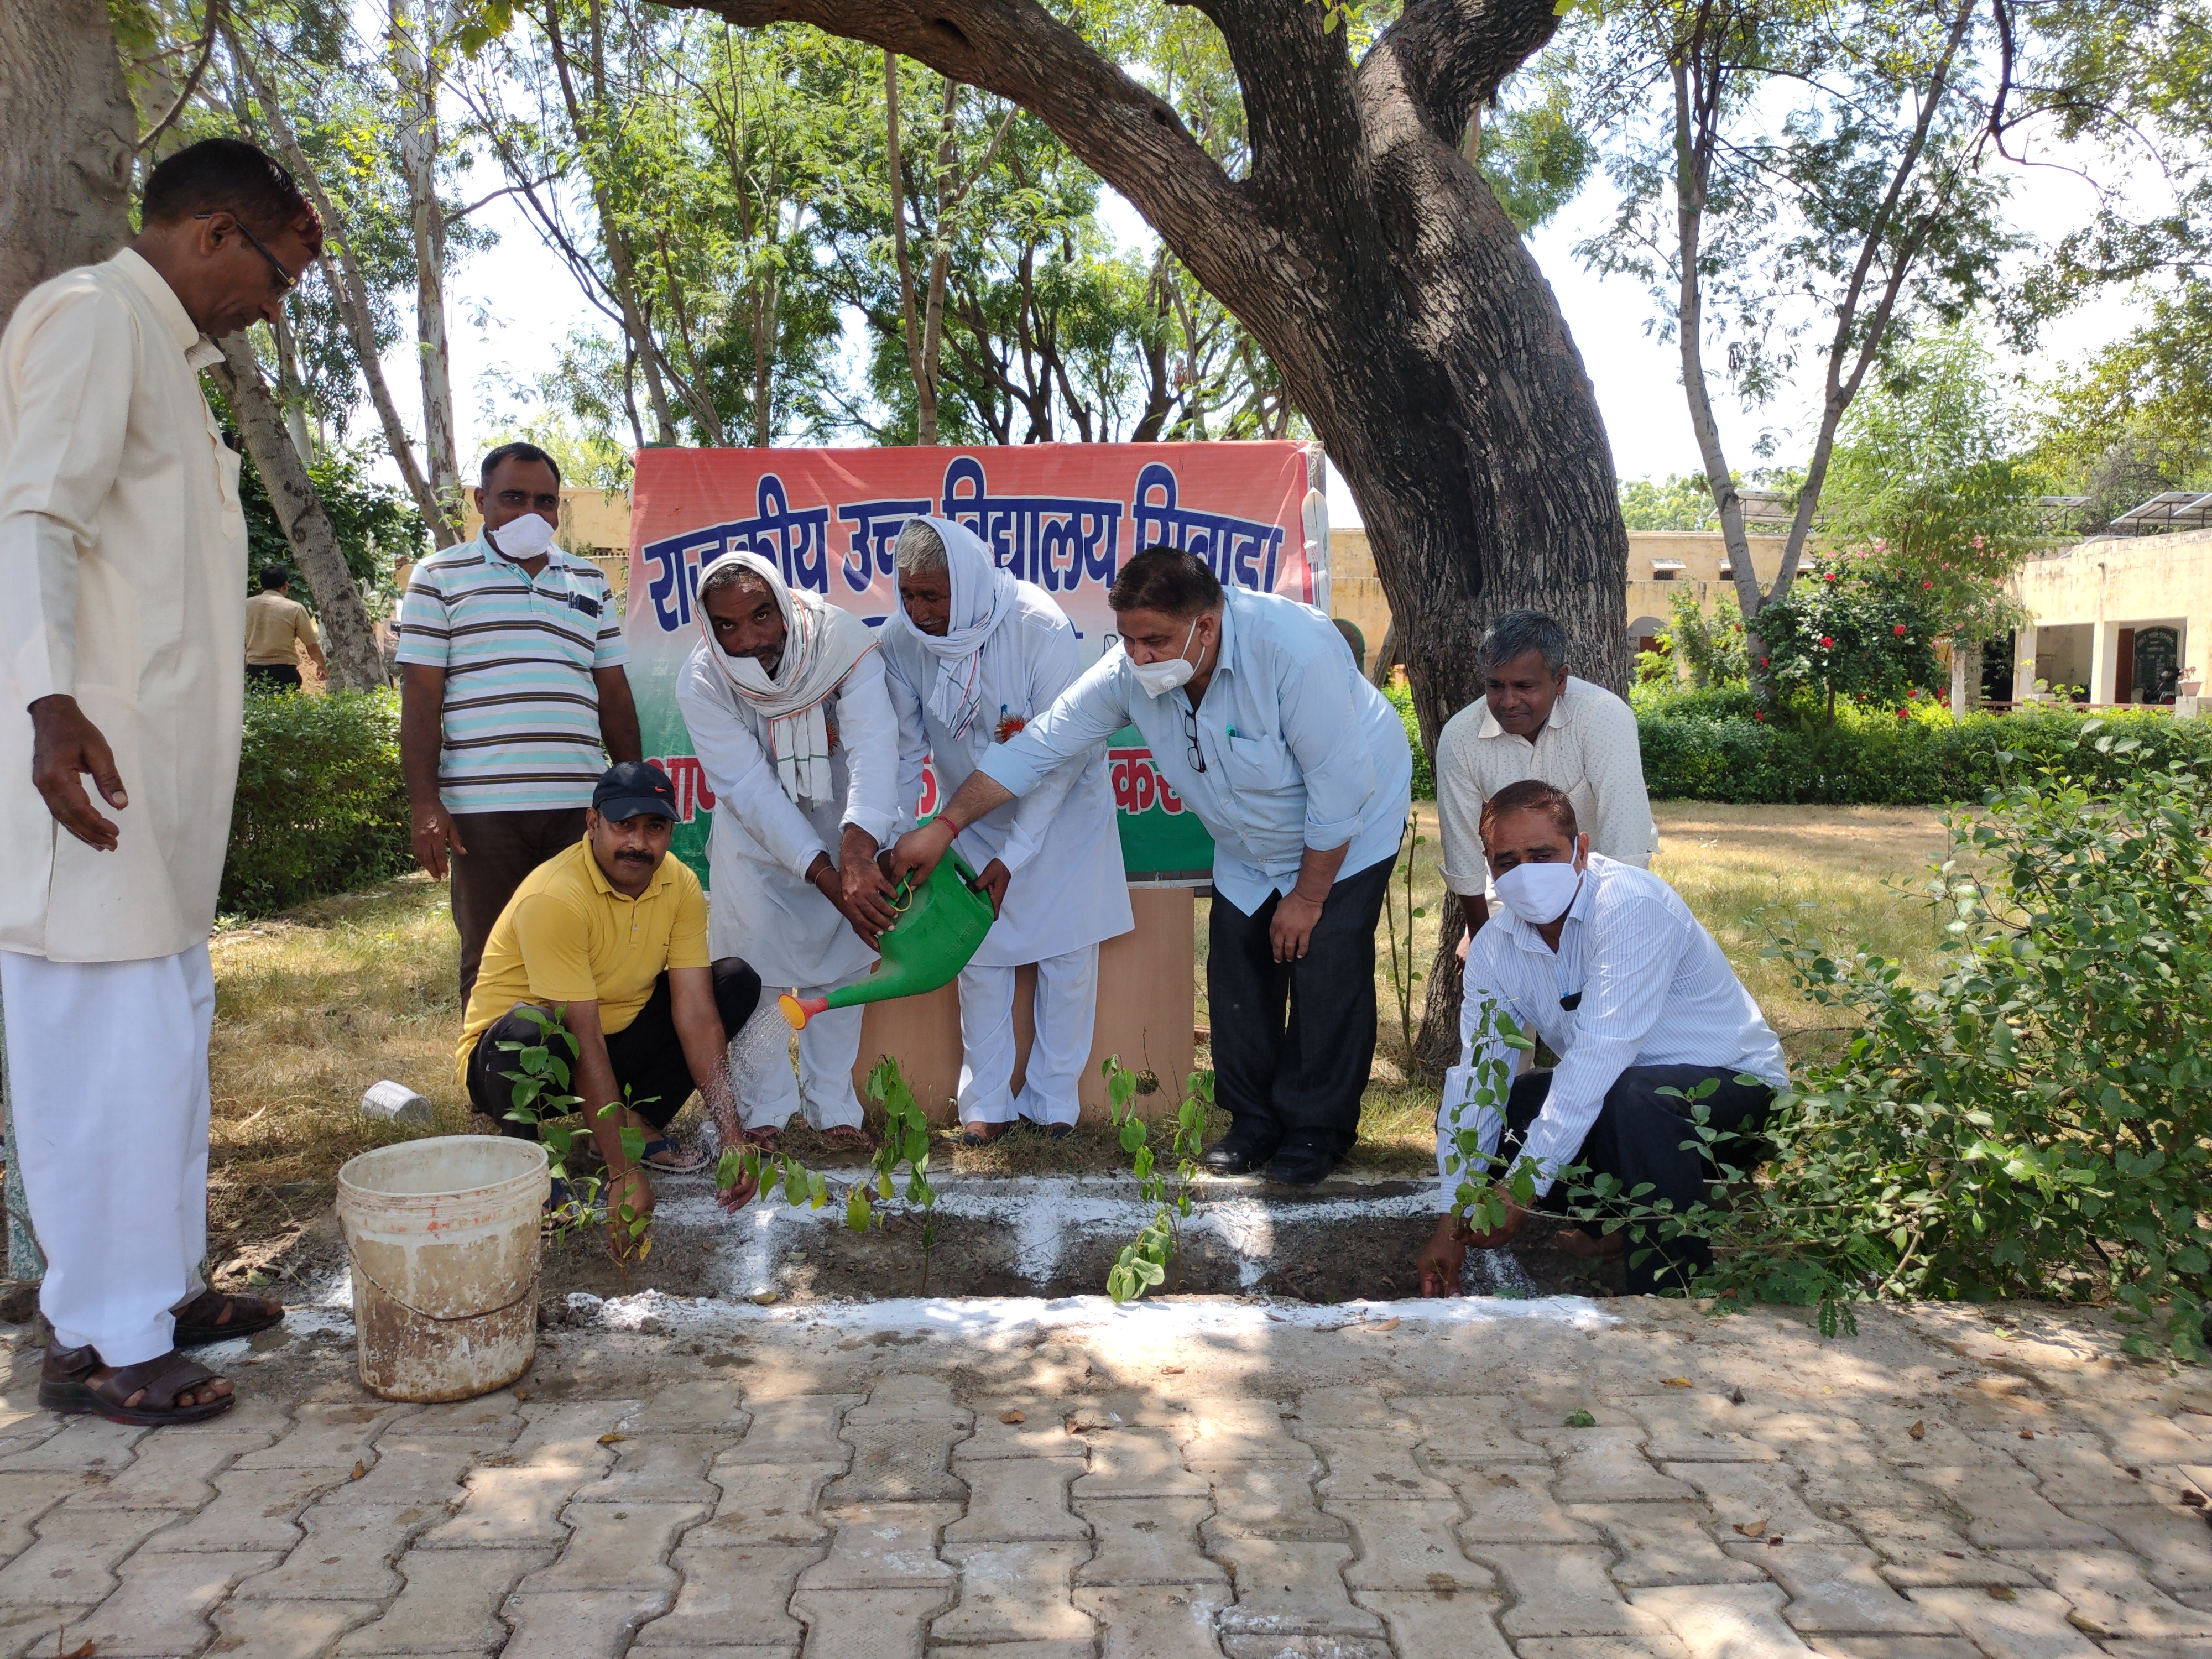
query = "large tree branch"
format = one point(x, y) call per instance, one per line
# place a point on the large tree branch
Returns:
point(1451, 56)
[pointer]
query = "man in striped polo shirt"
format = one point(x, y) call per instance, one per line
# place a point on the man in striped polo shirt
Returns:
point(511, 658)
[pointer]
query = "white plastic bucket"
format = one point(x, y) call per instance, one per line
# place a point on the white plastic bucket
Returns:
point(443, 1237)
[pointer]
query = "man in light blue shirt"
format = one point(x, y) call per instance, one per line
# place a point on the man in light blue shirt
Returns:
point(1300, 770)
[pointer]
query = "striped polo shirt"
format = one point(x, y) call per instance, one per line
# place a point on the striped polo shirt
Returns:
point(522, 712)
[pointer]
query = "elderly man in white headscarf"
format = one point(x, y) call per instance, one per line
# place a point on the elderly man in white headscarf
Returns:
point(972, 655)
point(788, 714)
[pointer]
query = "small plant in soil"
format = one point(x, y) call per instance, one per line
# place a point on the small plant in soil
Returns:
point(1472, 1093)
point(1404, 974)
point(1145, 1261)
point(540, 1098)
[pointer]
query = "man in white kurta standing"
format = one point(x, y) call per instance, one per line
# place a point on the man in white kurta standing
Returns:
point(122, 555)
point(973, 654)
point(787, 711)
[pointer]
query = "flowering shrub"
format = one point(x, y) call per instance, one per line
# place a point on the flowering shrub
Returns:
point(1850, 630)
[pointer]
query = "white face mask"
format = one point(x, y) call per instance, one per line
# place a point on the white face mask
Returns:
point(1158, 678)
point(1538, 893)
point(525, 538)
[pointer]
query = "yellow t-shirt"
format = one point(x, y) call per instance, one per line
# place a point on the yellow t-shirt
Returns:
point(273, 624)
point(569, 936)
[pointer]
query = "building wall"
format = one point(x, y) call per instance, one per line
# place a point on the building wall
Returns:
point(594, 523)
point(2081, 599)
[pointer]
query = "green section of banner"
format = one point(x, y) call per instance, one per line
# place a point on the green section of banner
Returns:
point(1156, 844)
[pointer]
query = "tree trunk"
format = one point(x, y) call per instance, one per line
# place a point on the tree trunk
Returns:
point(67, 134)
point(416, 61)
point(349, 640)
point(1965, 677)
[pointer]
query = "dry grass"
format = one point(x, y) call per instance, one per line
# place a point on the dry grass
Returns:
point(314, 1007)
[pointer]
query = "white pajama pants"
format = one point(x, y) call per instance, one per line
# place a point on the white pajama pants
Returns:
point(108, 1077)
point(1066, 1007)
point(823, 1085)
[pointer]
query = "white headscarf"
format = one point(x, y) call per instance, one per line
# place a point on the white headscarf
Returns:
point(983, 596)
point(821, 644)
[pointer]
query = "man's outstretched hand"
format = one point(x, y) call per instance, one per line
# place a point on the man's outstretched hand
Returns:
point(1441, 1257)
point(917, 852)
point(64, 745)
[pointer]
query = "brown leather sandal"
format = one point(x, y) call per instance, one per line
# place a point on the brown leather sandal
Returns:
point(214, 1316)
point(156, 1382)
point(61, 1379)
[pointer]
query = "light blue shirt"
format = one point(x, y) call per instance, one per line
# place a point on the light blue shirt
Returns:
point(1300, 752)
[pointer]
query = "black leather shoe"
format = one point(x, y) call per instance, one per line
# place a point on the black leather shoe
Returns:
point(1303, 1162)
point(1238, 1152)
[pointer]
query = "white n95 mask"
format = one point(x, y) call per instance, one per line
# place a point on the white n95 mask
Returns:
point(525, 538)
point(1538, 893)
point(1158, 678)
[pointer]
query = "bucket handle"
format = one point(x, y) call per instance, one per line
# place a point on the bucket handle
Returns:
point(528, 1290)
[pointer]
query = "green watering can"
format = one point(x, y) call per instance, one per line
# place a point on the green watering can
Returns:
point(940, 925)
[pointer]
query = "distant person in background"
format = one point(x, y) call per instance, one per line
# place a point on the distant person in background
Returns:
point(123, 556)
point(974, 655)
point(785, 701)
point(514, 698)
point(278, 628)
point(1536, 720)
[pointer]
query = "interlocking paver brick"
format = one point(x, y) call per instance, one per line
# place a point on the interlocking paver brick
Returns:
point(1512, 1503)
point(1438, 1624)
point(1240, 1429)
point(801, 1428)
point(1664, 1544)
point(1409, 1547)
point(1016, 1498)
point(2072, 1469)
point(347, 1554)
point(659, 1467)
point(1469, 1428)
point(74, 1556)
point(1894, 1647)
point(1724, 1621)
point(569, 1433)
point(1040, 1433)
point(1304, 1647)
point(1607, 1465)
point(882, 1547)
point(2108, 1589)
point(449, 1604)
point(512, 1506)
point(1649, 1646)
point(1366, 1463)
point(616, 1547)
point(414, 1468)
point(1155, 1621)
point(324, 1435)
point(1145, 1540)
point(2005, 1511)
point(2029, 1624)
point(489, 1420)
point(2175, 1544)
point(867, 1624)
point(170, 1472)
point(24, 1498)
point(1086, 1649)
point(578, 1625)
point(704, 1404)
point(38, 1633)
point(1696, 1427)
point(1759, 1493)
point(735, 1597)
point(1918, 1547)
point(1270, 1500)
point(1291, 1589)
point(766, 1502)
point(1137, 1462)
point(253, 1509)
point(901, 1459)
point(160, 1608)
point(1835, 1590)
point(83, 1445)
point(1014, 1593)
point(284, 1630)
point(1561, 1589)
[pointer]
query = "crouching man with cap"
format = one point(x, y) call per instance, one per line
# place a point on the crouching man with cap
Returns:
point(1605, 964)
point(610, 937)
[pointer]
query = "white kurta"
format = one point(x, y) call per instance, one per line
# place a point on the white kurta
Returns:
point(1060, 841)
point(760, 906)
point(123, 565)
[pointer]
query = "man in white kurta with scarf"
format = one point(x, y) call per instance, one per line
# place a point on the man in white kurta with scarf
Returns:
point(787, 711)
point(974, 655)
point(122, 557)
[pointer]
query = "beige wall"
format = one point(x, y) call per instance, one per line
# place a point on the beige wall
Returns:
point(594, 523)
point(2081, 599)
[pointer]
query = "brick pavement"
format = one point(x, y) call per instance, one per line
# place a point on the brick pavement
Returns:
point(857, 1484)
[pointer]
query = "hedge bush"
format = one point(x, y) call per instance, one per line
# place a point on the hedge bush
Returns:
point(321, 806)
point(1424, 777)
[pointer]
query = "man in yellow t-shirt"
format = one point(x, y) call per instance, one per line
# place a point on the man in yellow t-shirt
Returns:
point(277, 627)
point(611, 936)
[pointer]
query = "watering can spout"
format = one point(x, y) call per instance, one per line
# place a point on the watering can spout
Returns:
point(941, 924)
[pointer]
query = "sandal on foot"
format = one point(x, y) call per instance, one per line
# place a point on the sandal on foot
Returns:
point(156, 1383)
point(849, 1138)
point(213, 1316)
point(680, 1160)
point(62, 1379)
point(980, 1134)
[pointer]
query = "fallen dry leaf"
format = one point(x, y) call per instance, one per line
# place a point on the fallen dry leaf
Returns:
point(1753, 1528)
point(359, 1470)
point(2198, 1411)
point(2001, 1593)
point(762, 1298)
point(1673, 1381)
point(84, 1651)
point(1775, 1542)
point(1171, 1371)
point(610, 1439)
point(1918, 1431)
point(1012, 1417)
point(521, 1393)
point(2194, 1500)
point(2028, 1434)
point(1384, 1325)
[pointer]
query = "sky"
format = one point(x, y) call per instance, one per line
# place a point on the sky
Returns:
point(512, 303)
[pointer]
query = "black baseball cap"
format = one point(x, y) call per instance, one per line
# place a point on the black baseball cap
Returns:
point(630, 789)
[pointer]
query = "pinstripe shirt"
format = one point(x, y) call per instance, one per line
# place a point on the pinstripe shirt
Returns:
point(1648, 986)
point(522, 711)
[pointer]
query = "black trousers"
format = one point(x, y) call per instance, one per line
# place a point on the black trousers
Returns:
point(273, 676)
point(646, 1053)
point(503, 848)
point(1293, 1040)
point(1638, 1136)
